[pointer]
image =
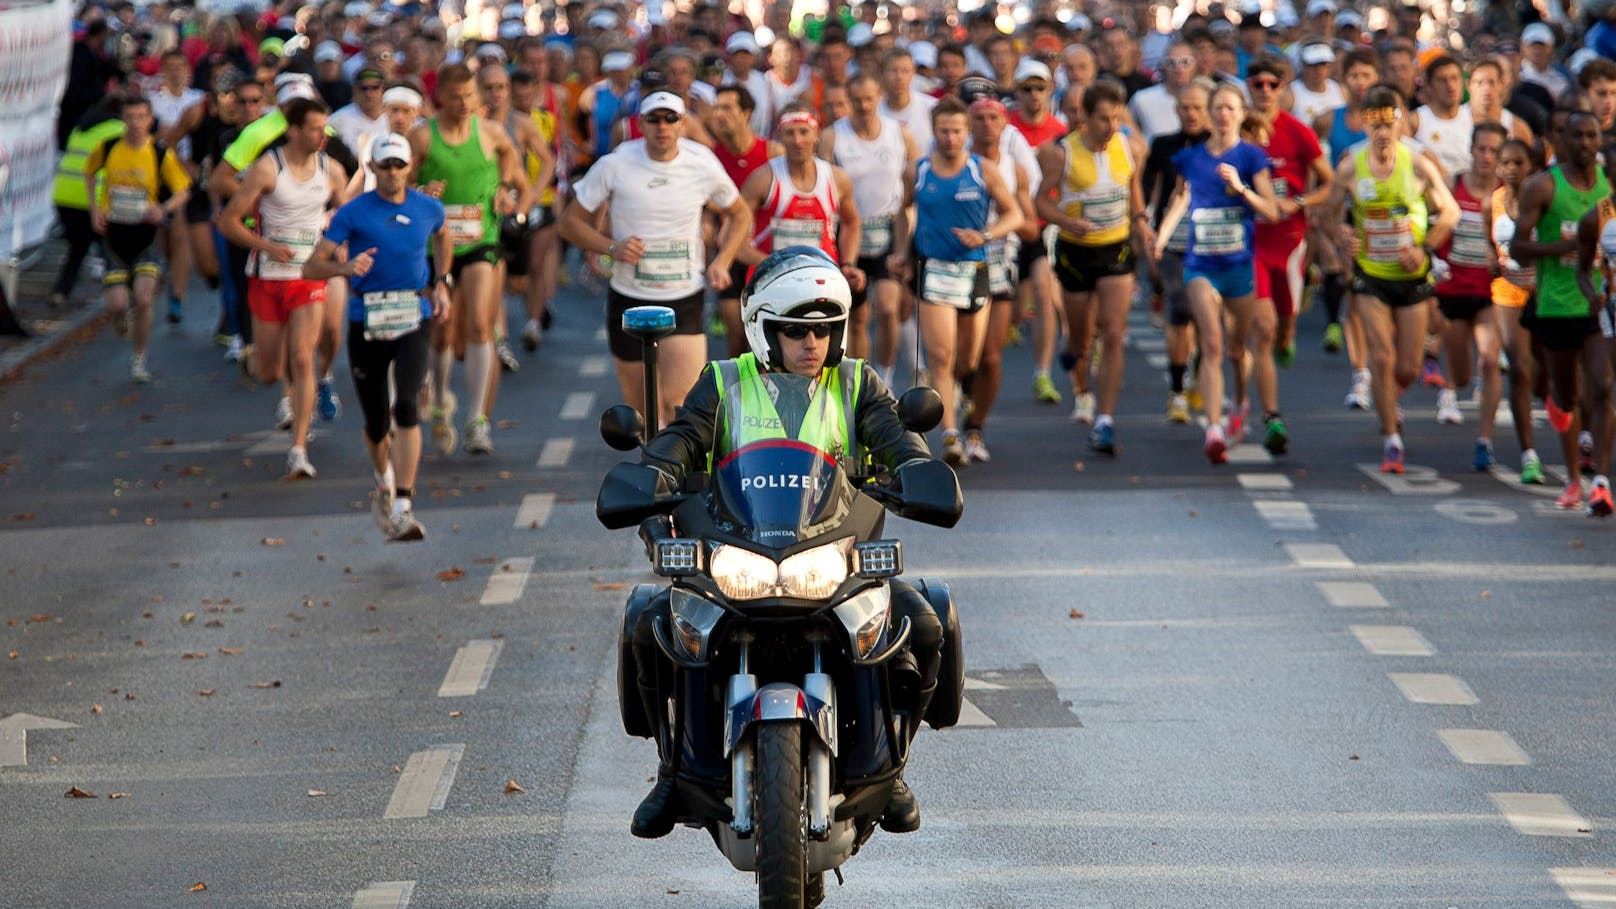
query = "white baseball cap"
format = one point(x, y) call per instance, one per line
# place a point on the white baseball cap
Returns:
point(1320, 7)
point(924, 53)
point(741, 43)
point(328, 52)
point(294, 90)
point(603, 19)
point(616, 62)
point(391, 147)
point(489, 49)
point(1537, 33)
point(1317, 53)
point(1029, 69)
point(860, 35)
point(1348, 19)
point(662, 101)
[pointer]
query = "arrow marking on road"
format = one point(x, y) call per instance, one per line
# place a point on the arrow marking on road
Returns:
point(14, 736)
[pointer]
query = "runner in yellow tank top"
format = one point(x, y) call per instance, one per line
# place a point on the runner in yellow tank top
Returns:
point(528, 93)
point(516, 229)
point(1394, 194)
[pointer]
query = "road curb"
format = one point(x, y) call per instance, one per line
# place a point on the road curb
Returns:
point(81, 326)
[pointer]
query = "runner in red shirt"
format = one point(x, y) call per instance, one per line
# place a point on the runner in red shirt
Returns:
point(741, 152)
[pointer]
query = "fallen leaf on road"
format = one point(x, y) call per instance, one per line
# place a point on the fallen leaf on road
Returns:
point(193, 656)
point(455, 713)
point(187, 618)
point(397, 769)
point(505, 424)
point(274, 541)
point(451, 574)
point(232, 651)
point(77, 793)
point(39, 617)
point(191, 471)
point(118, 795)
point(150, 522)
point(1075, 614)
point(614, 585)
point(23, 516)
point(504, 475)
point(1576, 544)
point(1079, 466)
point(12, 655)
point(318, 793)
point(215, 623)
point(197, 887)
point(1486, 594)
point(95, 708)
point(274, 684)
point(511, 787)
point(207, 692)
point(487, 560)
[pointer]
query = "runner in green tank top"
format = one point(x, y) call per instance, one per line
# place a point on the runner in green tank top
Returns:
point(1394, 195)
point(1596, 257)
point(1551, 205)
point(474, 168)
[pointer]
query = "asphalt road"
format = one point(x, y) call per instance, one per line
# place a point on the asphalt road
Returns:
point(1270, 684)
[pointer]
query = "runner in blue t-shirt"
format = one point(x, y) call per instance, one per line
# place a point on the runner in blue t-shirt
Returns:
point(1222, 186)
point(380, 243)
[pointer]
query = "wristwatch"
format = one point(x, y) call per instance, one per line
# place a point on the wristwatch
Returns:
point(446, 279)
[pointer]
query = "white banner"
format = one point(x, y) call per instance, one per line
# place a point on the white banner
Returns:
point(36, 47)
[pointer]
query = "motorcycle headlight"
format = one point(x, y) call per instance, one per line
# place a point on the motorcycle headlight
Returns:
point(816, 573)
point(741, 574)
point(694, 619)
point(865, 617)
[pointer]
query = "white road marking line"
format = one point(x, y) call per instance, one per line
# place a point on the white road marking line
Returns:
point(506, 583)
point(1249, 454)
point(1484, 746)
point(1544, 508)
point(578, 405)
point(1433, 688)
point(273, 443)
point(1351, 593)
point(470, 669)
point(215, 445)
point(424, 784)
point(1286, 515)
point(1413, 481)
point(385, 895)
point(975, 684)
point(535, 510)
point(1392, 640)
point(1266, 482)
point(1587, 887)
point(1156, 360)
point(1150, 344)
point(972, 715)
point(594, 366)
point(1318, 555)
point(556, 453)
point(1540, 814)
point(1554, 480)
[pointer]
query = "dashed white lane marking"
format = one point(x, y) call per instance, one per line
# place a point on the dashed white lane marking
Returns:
point(385, 895)
point(1392, 640)
point(535, 510)
point(1587, 887)
point(505, 585)
point(1249, 454)
point(556, 453)
point(1351, 593)
point(1264, 482)
point(1150, 343)
point(1286, 514)
point(274, 443)
point(1484, 746)
point(1156, 360)
point(470, 669)
point(1318, 555)
point(1434, 688)
point(578, 405)
point(425, 782)
point(594, 366)
point(1540, 814)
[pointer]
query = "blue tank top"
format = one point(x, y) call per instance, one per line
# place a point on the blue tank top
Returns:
point(608, 105)
point(944, 203)
point(1221, 225)
point(1342, 138)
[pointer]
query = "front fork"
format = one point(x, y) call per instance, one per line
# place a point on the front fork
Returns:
point(814, 705)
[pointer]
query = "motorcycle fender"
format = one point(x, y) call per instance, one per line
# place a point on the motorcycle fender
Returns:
point(950, 697)
point(635, 722)
point(779, 702)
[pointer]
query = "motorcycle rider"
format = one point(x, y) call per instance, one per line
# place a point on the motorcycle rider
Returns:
point(794, 314)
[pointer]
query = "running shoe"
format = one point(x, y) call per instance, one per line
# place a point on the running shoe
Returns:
point(138, 373)
point(1392, 459)
point(233, 349)
point(283, 414)
point(1275, 437)
point(1285, 355)
point(381, 507)
point(1431, 373)
point(444, 436)
point(507, 357)
point(1216, 448)
point(1083, 408)
point(222, 338)
point(1585, 453)
point(326, 402)
point(1447, 407)
point(176, 312)
point(1358, 397)
point(953, 450)
point(1333, 338)
point(1103, 439)
point(1599, 501)
point(1532, 470)
point(1559, 419)
point(404, 528)
point(1481, 459)
point(1237, 422)
point(479, 436)
point(1572, 497)
point(1044, 390)
point(297, 465)
point(530, 335)
point(975, 449)
point(1178, 408)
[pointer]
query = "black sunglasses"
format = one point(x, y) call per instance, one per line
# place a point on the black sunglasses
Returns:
point(796, 331)
point(393, 164)
point(661, 117)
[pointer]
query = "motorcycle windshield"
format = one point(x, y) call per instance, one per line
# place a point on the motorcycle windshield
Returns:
point(778, 475)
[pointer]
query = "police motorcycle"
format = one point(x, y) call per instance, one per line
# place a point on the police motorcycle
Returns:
point(789, 712)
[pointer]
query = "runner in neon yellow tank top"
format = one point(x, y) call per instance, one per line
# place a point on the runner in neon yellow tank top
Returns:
point(1559, 228)
point(1394, 195)
point(474, 168)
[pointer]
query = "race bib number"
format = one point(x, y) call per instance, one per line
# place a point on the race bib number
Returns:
point(1179, 240)
point(1000, 280)
point(1387, 232)
point(391, 314)
point(1282, 188)
point(664, 262)
point(949, 283)
point(1219, 231)
point(1469, 247)
point(1106, 209)
point(1568, 231)
point(300, 242)
point(464, 223)
point(798, 232)
point(127, 204)
point(875, 237)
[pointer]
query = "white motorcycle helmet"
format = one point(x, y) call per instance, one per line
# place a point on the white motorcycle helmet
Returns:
point(795, 284)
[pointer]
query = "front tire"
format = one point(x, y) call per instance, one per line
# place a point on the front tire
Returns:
point(780, 815)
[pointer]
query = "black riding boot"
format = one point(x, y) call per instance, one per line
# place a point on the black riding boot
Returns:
point(902, 814)
point(659, 810)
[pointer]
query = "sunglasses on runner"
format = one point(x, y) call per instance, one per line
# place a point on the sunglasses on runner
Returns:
point(661, 117)
point(393, 164)
point(796, 331)
point(1264, 84)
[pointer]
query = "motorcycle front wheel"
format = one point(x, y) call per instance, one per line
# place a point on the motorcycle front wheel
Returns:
point(781, 818)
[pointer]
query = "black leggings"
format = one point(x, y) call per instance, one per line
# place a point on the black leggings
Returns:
point(234, 270)
point(80, 238)
point(368, 361)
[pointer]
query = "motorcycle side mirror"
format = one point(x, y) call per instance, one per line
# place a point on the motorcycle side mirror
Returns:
point(622, 427)
point(920, 409)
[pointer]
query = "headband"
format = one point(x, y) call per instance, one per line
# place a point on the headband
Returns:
point(402, 94)
point(1381, 115)
point(798, 116)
